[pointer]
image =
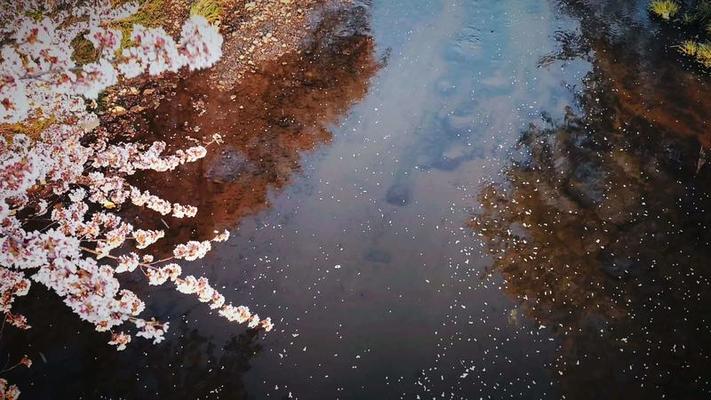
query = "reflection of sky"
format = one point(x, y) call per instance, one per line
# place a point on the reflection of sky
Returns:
point(465, 80)
point(387, 202)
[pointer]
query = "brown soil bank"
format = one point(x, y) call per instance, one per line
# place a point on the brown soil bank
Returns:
point(281, 108)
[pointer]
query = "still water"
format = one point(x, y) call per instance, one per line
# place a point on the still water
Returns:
point(435, 199)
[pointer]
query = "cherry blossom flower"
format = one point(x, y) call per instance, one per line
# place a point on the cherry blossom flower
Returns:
point(180, 211)
point(195, 153)
point(200, 44)
point(221, 237)
point(266, 324)
point(131, 157)
point(127, 263)
point(151, 330)
point(7, 391)
point(105, 40)
point(37, 73)
point(12, 284)
point(25, 361)
point(155, 203)
point(19, 321)
point(158, 276)
point(240, 314)
point(147, 238)
point(187, 286)
point(120, 340)
point(192, 250)
point(254, 321)
point(217, 300)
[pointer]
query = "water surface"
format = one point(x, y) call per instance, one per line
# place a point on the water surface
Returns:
point(437, 199)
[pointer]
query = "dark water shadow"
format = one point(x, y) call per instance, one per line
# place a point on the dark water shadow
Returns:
point(76, 363)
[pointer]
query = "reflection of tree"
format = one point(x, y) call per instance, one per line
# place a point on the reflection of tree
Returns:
point(267, 121)
point(600, 231)
point(650, 78)
point(191, 367)
point(610, 251)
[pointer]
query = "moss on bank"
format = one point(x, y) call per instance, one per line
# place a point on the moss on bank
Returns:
point(701, 52)
point(664, 9)
point(151, 13)
point(210, 9)
point(32, 128)
point(695, 22)
point(84, 51)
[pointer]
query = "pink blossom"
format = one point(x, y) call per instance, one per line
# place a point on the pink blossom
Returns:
point(150, 201)
point(181, 211)
point(106, 40)
point(19, 321)
point(200, 43)
point(266, 324)
point(151, 330)
point(195, 153)
point(158, 276)
point(253, 322)
point(217, 300)
point(120, 340)
point(240, 314)
point(189, 285)
point(192, 250)
point(221, 237)
point(7, 391)
point(146, 238)
point(25, 361)
point(127, 263)
point(12, 284)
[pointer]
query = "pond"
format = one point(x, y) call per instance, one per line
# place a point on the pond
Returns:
point(435, 199)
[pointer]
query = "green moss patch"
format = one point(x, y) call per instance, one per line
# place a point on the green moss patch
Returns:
point(151, 14)
point(210, 9)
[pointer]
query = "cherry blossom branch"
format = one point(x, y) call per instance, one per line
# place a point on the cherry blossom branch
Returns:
point(38, 75)
point(24, 362)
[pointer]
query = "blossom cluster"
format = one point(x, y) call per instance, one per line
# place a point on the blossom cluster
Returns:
point(39, 77)
point(12, 284)
point(38, 73)
point(242, 314)
point(7, 391)
point(207, 294)
point(200, 46)
point(128, 158)
point(78, 186)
